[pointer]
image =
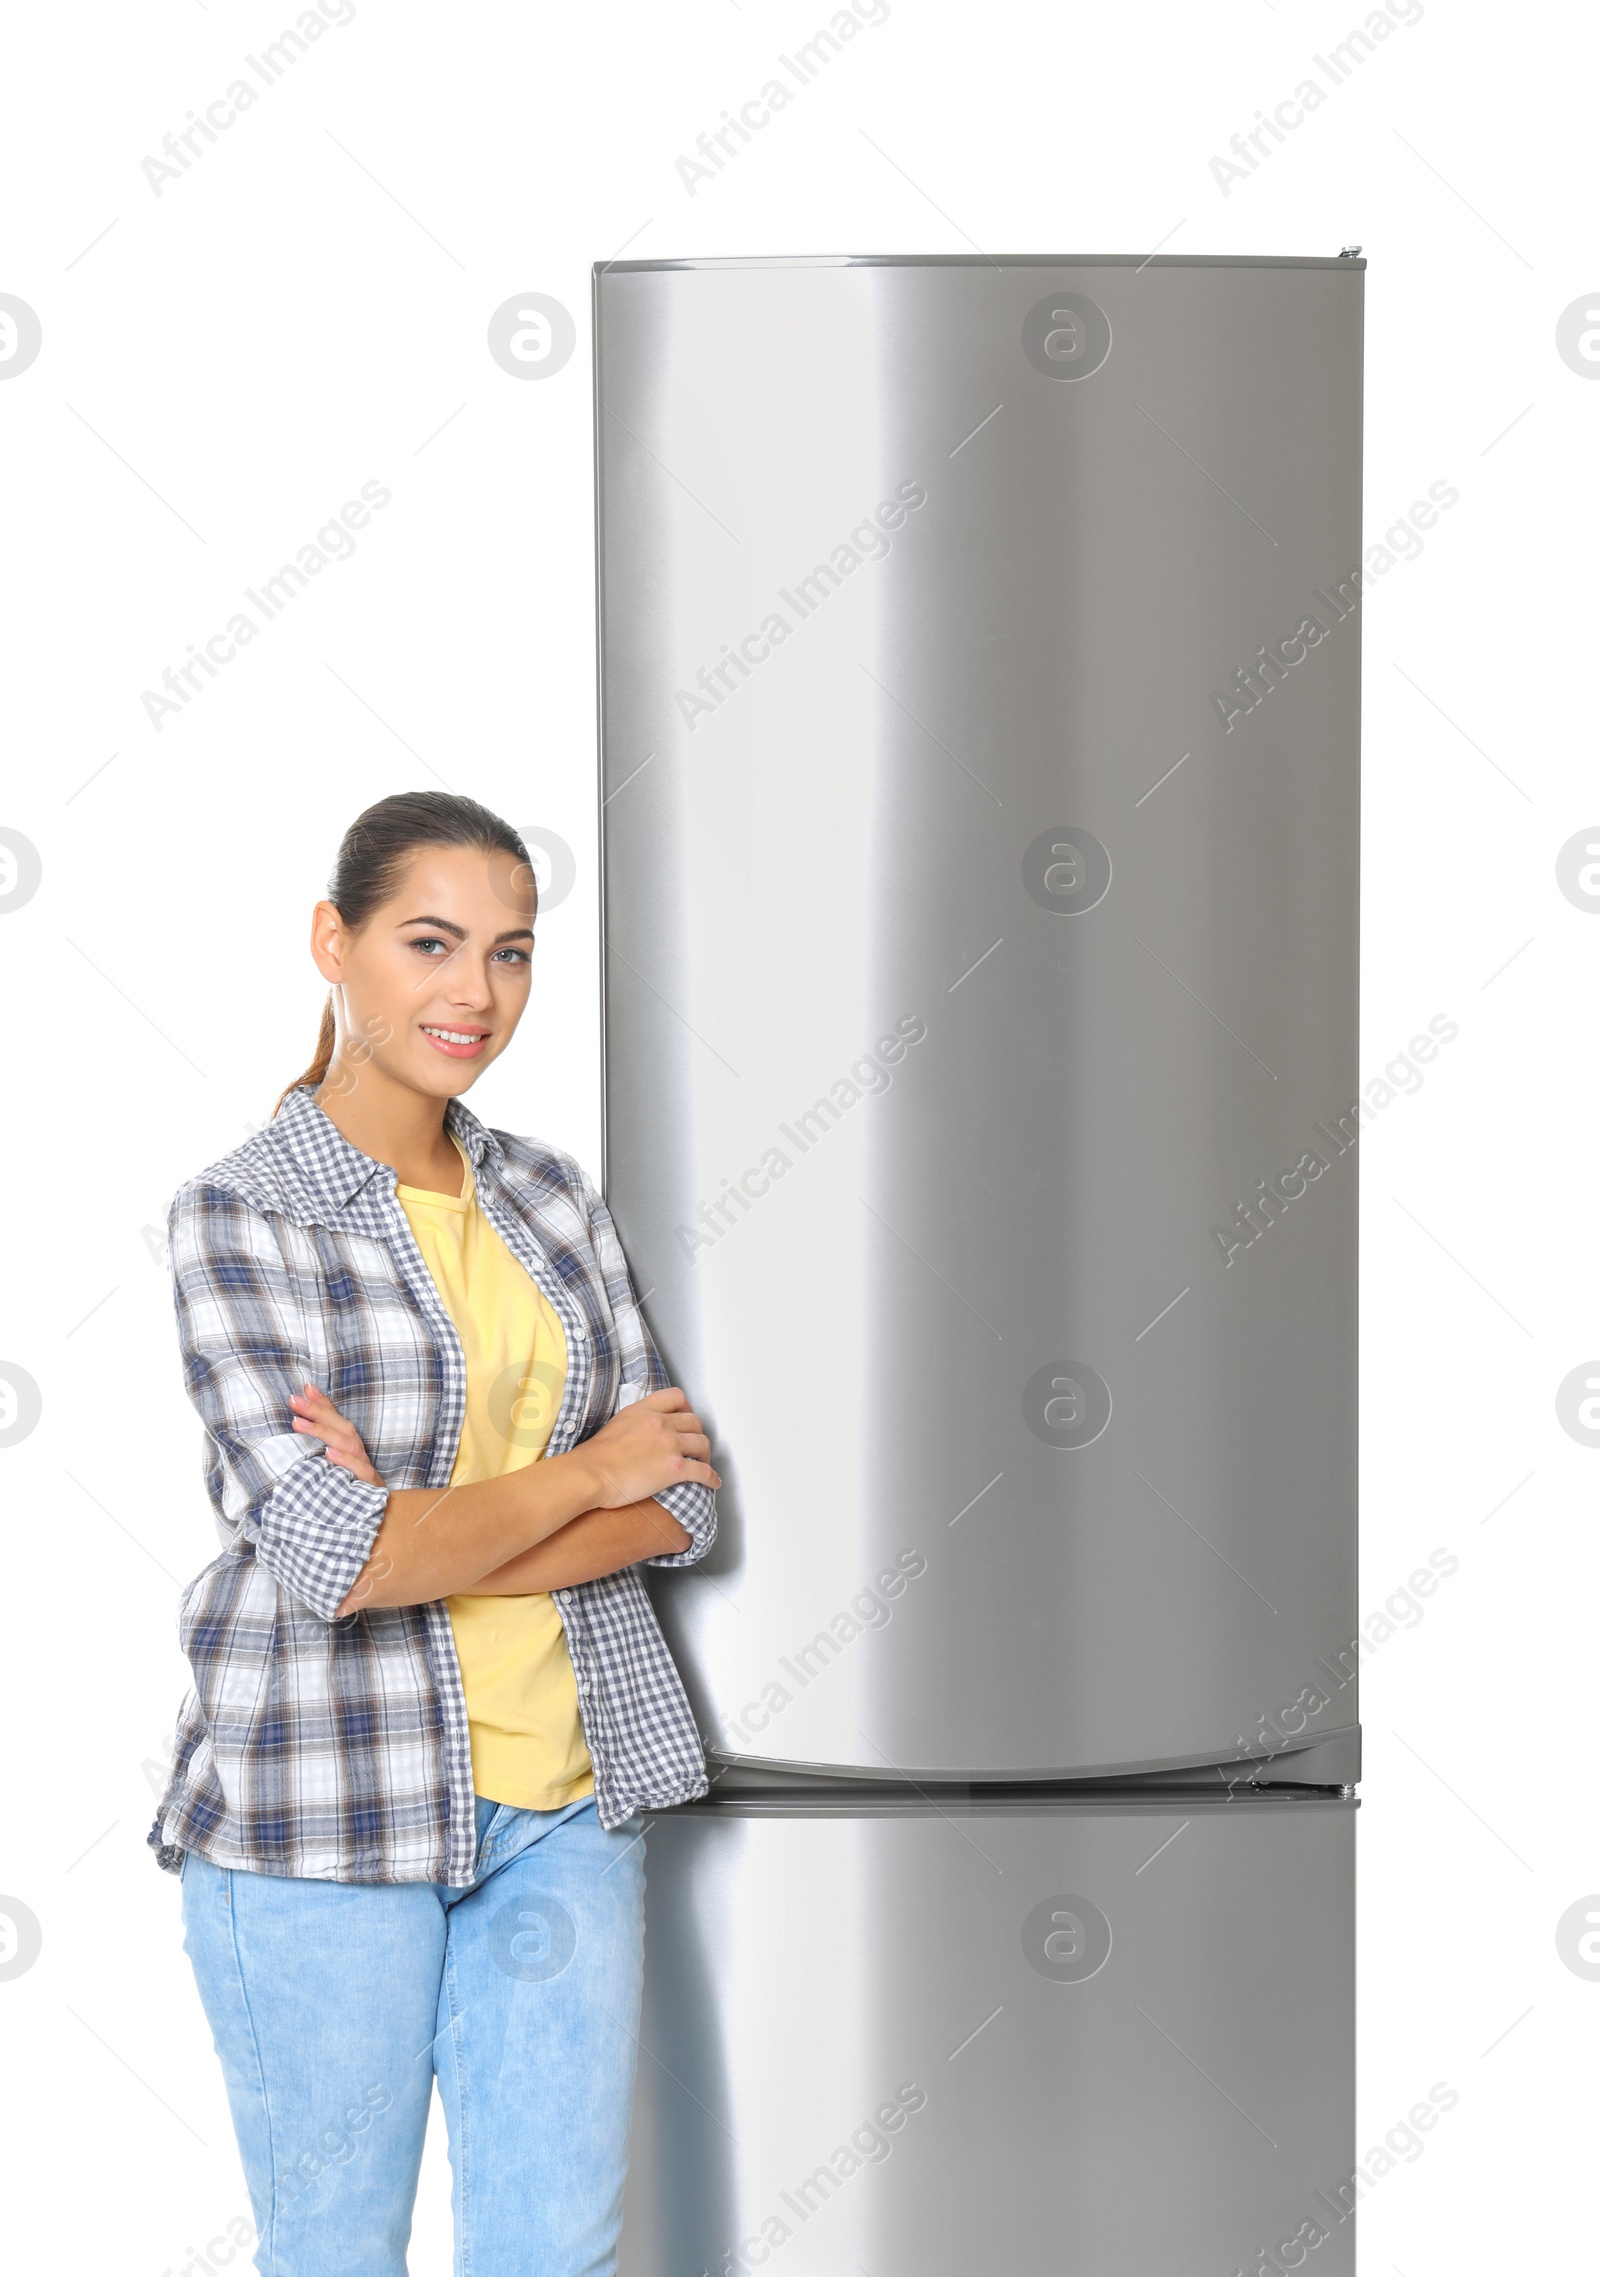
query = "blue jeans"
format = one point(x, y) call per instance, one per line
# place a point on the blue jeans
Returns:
point(334, 2005)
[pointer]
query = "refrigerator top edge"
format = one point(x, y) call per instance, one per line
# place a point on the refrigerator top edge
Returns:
point(996, 261)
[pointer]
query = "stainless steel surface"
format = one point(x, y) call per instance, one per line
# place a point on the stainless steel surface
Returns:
point(971, 785)
point(855, 2034)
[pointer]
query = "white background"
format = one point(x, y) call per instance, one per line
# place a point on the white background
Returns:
point(304, 310)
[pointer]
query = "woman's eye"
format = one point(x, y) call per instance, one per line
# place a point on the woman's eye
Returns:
point(432, 947)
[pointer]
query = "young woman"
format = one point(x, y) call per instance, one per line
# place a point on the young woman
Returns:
point(430, 1701)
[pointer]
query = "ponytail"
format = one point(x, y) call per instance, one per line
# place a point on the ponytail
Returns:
point(321, 1058)
point(367, 869)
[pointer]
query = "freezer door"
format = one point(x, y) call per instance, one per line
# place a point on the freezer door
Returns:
point(1031, 2040)
point(980, 670)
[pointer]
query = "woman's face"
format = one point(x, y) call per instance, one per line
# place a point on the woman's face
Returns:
point(434, 983)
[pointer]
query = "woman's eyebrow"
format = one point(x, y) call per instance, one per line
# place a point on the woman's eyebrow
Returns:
point(443, 925)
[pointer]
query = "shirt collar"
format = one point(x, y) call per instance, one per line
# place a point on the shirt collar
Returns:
point(341, 1181)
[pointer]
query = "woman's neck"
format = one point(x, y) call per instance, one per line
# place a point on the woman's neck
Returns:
point(394, 1124)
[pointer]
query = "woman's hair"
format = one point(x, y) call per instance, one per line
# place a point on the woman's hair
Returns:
point(368, 864)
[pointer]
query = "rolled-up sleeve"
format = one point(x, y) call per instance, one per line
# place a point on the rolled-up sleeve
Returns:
point(693, 1505)
point(245, 1351)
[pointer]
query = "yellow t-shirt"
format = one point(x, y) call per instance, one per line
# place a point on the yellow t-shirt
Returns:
point(528, 1746)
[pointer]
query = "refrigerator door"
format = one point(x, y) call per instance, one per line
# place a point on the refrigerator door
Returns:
point(980, 659)
point(1014, 2037)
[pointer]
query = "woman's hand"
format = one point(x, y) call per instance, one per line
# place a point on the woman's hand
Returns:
point(316, 1415)
point(656, 1442)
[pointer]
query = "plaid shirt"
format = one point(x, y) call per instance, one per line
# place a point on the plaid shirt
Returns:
point(336, 1748)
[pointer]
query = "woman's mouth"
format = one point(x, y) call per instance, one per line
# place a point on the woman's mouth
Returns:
point(457, 1043)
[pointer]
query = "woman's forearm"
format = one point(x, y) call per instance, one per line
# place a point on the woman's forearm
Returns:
point(598, 1542)
point(434, 1541)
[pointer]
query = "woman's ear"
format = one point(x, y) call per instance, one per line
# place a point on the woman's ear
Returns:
point(327, 942)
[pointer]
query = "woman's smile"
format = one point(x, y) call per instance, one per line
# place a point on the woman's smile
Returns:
point(457, 1042)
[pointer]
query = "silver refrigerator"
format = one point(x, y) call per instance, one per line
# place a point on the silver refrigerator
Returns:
point(980, 670)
